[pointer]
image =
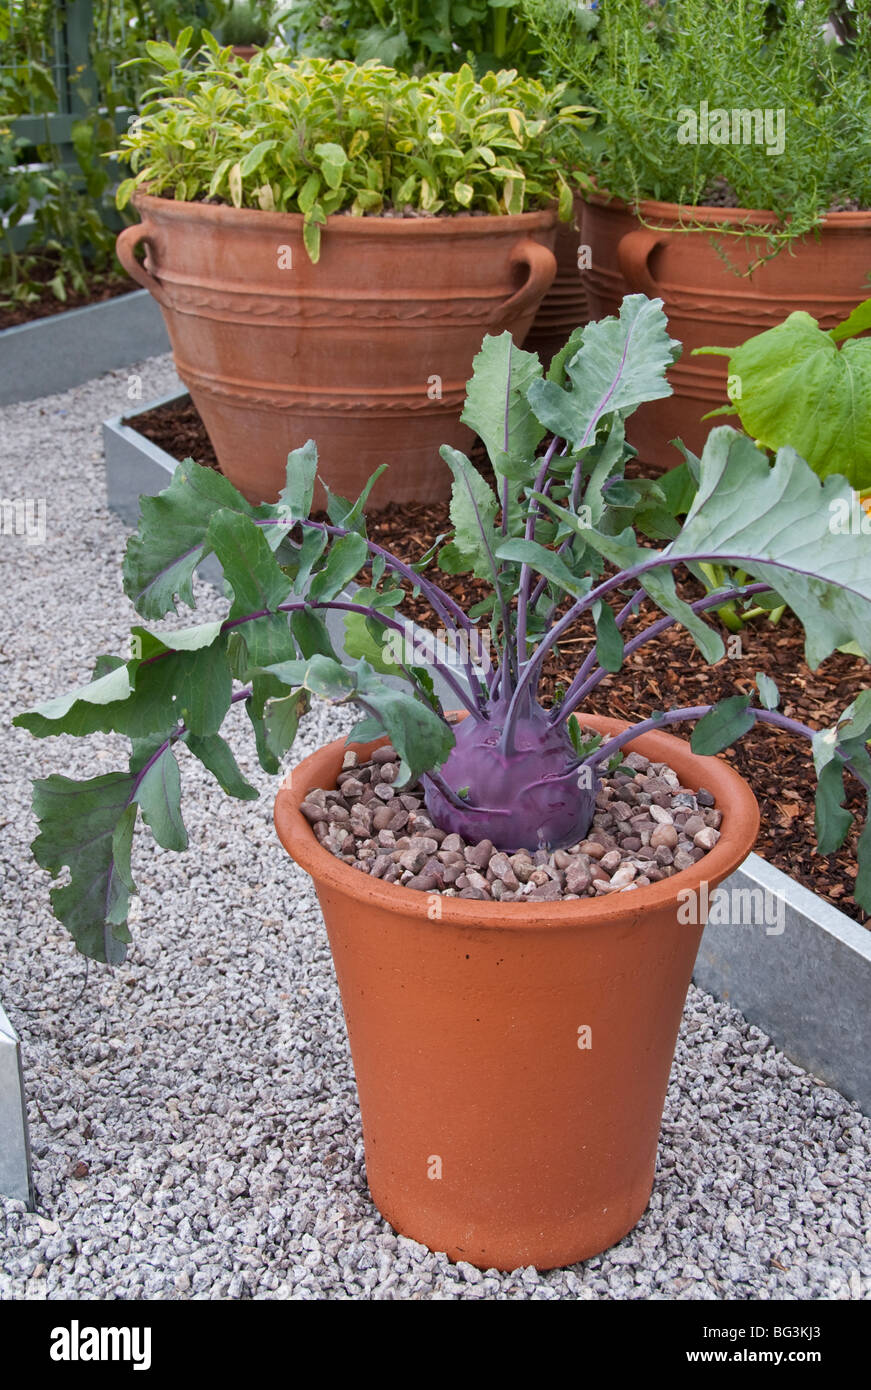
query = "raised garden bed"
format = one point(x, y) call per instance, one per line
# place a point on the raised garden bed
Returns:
point(16, 1178)
point(64, 348)
point(799, 984)
point(13, 313)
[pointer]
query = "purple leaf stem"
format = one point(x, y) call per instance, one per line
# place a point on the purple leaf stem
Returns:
point(581, 686)
point(523, 585)
point(659, 560)
point(677, 716)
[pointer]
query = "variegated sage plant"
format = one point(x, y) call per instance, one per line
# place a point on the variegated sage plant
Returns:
point(556, 538)
point(313, 137)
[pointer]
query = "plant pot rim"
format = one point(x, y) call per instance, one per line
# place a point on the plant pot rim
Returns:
point(537, 219)
point(651, 209)
point(733, 796)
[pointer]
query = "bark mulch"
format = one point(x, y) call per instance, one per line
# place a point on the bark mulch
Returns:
point(177, 429)
point(667, 673)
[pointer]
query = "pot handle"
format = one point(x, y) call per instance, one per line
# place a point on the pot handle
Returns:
point(633, 254)
point(124, 245)
point(542, 269)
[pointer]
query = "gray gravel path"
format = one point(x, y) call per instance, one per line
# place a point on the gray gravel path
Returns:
point(193, 1113)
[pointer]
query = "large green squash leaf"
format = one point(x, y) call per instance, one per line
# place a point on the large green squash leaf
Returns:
point(799, 388)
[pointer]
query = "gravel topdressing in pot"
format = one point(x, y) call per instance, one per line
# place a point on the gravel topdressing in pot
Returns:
point(647, 827)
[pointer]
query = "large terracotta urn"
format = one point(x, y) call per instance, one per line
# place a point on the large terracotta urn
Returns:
point(367, 352)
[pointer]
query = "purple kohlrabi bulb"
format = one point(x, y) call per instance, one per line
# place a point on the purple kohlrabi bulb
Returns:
point(549, 799)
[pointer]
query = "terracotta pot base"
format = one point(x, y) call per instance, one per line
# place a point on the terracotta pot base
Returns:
point(490, 1133)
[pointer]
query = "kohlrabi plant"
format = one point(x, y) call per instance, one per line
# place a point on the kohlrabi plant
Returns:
point(555, 539)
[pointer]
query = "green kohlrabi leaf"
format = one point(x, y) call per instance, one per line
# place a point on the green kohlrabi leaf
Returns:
point(193, 686)
point(365, 730)
point(862, 888)
point(729, 720)
point(345, 560)
point(314, 543)
point(367, 638)
point(497, 409)
point(473, 511)
point(421, 738)
point(170, 540)
point(48, 717)
point(832, 821)
point(621, 364)
point(609, 643)
point(88, 827)
point(296, 496)
point(153, 694)
point(311, 635)
point(319, 674)
point(262, 642)
point(557, 369)
point(159, 792)
point(419, 734)
point(281, 718)
point(842, 747)
point(679, 487)
point(777, 524)
point(768, 691)
point(625, 552)
point(350, 515)
point(545, 562)
point(249, 566)
point(146, 645)
point(215, 754)
point(264, 688)
point(605, 457)
point(855, 722)
point(583, 744)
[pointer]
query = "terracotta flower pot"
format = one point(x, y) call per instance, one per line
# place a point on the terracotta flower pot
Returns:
point(707, 303)
point(368, 352)
point(564, 307)
point(491, 1133)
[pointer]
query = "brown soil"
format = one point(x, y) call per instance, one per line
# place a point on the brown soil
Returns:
point(668, 673)
point(109, 287)
point(178, 430)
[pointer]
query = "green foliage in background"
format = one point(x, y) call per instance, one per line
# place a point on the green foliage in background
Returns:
point(61, 195)
point(249, 22)
point(26, 82)
point(417, 35)
point(70, 243)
